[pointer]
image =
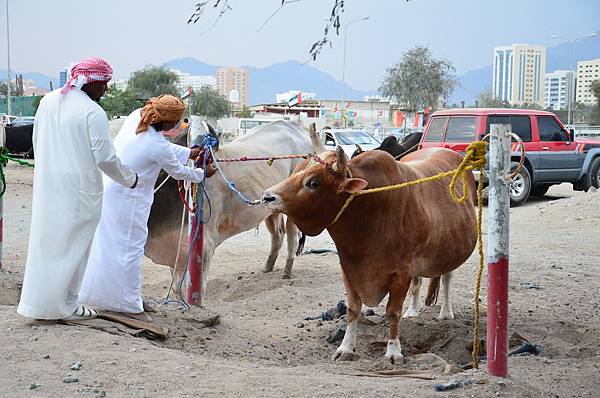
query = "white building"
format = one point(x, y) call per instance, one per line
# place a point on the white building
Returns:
point(121, 84)
point(587, 72)
point(559, 89)
point(196, 82)
point(284, 97)
point(519, 71)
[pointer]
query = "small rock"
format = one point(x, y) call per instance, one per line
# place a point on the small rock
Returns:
point(321, 385)
point(102, 394)
point(300, 325)
point(34, 327)
point(33, 386)
point(132, 350)
point(70, 380)
point(46, 356)
point(76, 366)
point(33, 338)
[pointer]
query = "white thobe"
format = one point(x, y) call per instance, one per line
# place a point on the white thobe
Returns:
point(113, 277)
point(72, 144)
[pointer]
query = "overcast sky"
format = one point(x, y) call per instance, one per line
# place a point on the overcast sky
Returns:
point(47, 35)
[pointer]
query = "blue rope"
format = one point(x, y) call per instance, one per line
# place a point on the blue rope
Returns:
point(231, 184)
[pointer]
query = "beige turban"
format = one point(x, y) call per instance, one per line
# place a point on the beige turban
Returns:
point(166, 108)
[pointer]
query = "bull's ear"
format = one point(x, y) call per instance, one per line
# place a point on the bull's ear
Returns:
point(352, 185)
point(341, 160)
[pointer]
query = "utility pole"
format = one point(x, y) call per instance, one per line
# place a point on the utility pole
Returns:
point(344, 64)
point(8, 90)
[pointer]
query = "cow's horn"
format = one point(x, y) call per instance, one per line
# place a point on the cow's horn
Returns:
point(340, 164)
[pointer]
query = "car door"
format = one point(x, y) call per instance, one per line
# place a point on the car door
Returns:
point(559, 160)
point(521, 126)
point(435, 132)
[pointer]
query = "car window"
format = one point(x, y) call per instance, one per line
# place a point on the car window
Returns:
point(461, 129)
point(435, 132)
point(550, 130)
point(355, 137)
point(329, 139)
point(520, 125)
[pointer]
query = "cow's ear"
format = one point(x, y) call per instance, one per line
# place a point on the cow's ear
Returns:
point(352, 185)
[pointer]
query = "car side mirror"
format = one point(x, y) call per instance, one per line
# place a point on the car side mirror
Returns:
point(571, 135)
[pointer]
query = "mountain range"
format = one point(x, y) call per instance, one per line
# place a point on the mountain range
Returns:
point(281, 77)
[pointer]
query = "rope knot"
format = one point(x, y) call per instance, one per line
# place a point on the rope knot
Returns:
point(474, 159)
point(270, 161)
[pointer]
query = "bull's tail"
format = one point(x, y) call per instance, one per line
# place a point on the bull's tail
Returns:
point(432, 292)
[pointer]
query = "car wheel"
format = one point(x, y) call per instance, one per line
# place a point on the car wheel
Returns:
point(595, 173)
point(539, 190)
point(520, 185)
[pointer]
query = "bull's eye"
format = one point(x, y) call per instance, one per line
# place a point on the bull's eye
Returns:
point(313, 183)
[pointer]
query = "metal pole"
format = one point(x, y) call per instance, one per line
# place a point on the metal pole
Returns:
point(8, 92)
point(194, 280)
point(569, 91)
point(344, 64)
point(497, 250)
point(2, 139)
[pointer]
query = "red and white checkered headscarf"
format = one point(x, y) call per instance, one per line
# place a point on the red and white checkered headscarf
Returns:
point(87, 71)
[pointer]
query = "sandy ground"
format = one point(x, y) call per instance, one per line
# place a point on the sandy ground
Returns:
point(264, 347)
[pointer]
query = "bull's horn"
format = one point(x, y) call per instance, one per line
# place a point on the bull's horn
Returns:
point(317, 146)
point(340, 164)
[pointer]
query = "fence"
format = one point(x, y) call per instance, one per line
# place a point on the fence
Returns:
point(20, 106)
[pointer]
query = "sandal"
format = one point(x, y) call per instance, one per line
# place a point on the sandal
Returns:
point(82, 313)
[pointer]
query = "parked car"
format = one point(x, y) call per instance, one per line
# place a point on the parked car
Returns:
point(401, 132)
point(552, 155)
point(348, 139)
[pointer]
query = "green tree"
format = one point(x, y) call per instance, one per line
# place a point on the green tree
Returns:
point(15, 91)
point(418, 80)
point(245, 113)
point(119, 103)
point(595, 88)
point(36, 103)
point(152, 81)
point(486, 100)
point(208, 102)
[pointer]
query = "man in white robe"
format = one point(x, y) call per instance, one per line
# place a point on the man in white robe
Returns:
point(72, 146)
point(113, 277)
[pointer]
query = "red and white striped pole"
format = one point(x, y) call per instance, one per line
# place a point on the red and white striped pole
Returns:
point(497, 250)
point(193, 279)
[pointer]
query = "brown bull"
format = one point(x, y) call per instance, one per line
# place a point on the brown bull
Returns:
point(383, 239)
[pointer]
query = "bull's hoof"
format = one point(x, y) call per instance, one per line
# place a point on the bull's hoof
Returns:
point(446, 313)
point(410, 313)
point(341, 355)
point(287, 275)
point(393, 359)
point(266, 270)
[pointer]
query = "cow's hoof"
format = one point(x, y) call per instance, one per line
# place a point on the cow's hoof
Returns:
point(446, 314)
point(287, 275)
point(410, 313)
point(341, 355)
point(393, 359)
point(266, 270)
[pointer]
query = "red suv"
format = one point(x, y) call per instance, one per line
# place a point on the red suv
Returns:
point(552, 155)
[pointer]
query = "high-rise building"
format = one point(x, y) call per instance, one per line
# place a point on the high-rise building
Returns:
point(195, 82)
point(65, 74)
point(559, 89)
point(519, 73)
point(587, 72)
point(233, 84)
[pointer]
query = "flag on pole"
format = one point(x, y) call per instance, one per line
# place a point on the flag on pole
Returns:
point(186, 93)
point(336, 108)
point(295, 100)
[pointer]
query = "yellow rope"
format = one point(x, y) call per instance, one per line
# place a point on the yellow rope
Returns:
point(474, 159)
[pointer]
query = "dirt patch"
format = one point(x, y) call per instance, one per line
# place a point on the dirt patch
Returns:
point(262, 346)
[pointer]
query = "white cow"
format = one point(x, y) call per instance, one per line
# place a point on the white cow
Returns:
point(229, 215)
